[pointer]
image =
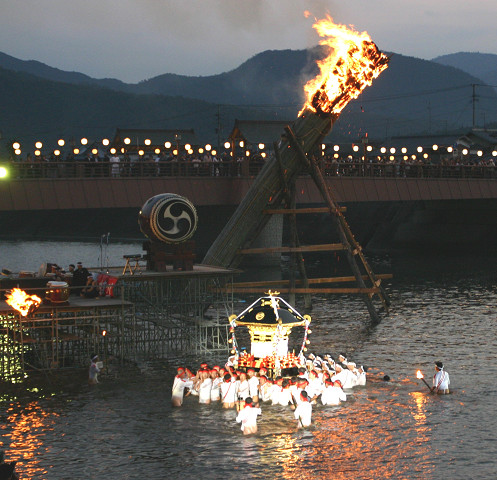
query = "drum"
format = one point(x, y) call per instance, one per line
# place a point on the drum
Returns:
point(168, 218)
point(57, 292)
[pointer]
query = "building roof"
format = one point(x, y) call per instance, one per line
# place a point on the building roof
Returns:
point(258, 131)
point(270, 311)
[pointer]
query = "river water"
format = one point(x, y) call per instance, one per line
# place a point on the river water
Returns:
point(443, 308)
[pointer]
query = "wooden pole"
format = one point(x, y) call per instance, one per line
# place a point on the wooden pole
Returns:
point(351, 249)
point(266, 190)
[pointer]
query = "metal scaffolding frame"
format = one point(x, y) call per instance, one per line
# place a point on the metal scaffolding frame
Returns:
point(153, 316)
point(65, 337)
point(177, 314)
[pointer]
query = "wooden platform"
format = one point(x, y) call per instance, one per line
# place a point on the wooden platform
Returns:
point(75, 303)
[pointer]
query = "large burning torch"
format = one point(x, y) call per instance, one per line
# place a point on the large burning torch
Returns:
point(352, 64)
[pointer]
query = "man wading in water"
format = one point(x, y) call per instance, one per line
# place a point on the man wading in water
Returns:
point(441, 380)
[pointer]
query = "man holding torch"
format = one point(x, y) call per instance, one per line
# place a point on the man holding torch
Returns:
point(441, 380)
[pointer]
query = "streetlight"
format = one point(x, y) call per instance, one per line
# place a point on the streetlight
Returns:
point(392, 150)
point(61, 142)
point(208, 147)
point(227, 145)
point(188, 147)
point(261, 146)
point(383, 150)
point(450, 149)
point(37, 153)
point(465, 151)
point(479, 153)
point(419, 149)
point(105, 142)
point(147, 141)
point(336, 148)
point(404, 150)
point(38, 145)
point(84, 141)
point(242, 144)
point(16, 145)
point(167, 145)
point(56, 153)
point(127, 141)
point(76, 151)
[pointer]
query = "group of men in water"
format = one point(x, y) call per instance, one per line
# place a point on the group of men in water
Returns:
point(314, 379)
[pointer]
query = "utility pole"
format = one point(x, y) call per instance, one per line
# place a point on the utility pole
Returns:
point(473, 100)
point(218, 115)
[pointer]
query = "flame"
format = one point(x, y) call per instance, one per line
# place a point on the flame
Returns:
point(22, 302)
point(419, 374)
point(353, 63)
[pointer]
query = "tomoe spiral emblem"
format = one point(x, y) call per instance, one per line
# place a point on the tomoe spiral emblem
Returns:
point(168, 218)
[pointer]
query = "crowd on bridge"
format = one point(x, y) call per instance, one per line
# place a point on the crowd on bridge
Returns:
point(208, 164)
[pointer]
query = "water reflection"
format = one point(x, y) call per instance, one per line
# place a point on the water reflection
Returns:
point(26, 428)
point(125, 427)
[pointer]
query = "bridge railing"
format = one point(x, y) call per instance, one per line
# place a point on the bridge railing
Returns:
point(140, 169)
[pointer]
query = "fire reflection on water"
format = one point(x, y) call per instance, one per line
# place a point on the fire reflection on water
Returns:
point(25, 433)
point(344, 444)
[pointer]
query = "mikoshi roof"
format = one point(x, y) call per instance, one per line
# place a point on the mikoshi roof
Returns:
point(271, 310)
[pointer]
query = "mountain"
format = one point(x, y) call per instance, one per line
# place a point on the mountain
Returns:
point(42, 70)
point(37, 109)
point(480, 65)
point(412, 96)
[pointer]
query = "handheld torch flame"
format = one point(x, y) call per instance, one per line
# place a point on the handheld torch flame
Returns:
point(22, 302)
point(419, 374)
point(353, 63)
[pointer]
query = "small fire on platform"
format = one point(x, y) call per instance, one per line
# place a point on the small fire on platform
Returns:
point(21, 301)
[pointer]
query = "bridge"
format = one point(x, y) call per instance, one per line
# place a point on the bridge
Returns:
point(83, 186)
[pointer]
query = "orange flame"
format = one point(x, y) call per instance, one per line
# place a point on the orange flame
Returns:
point(419, 374)
point(22, 302)
point(353, 63)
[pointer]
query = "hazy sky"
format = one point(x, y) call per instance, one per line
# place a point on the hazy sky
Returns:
point(137, 39)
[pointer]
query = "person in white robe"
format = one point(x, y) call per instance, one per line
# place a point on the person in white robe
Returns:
point(204, 387)
point(253, 382)
point(180, 383)
point(303, 411)
point(333, 394)
point(264, 388)
point(247, 416)
point(315, 386)
point(242, 387)
point(228, 391)
point(441, 380)
point(216, 386)
point(361, 377)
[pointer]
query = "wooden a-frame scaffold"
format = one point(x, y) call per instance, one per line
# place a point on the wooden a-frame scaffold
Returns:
point(273, 188)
